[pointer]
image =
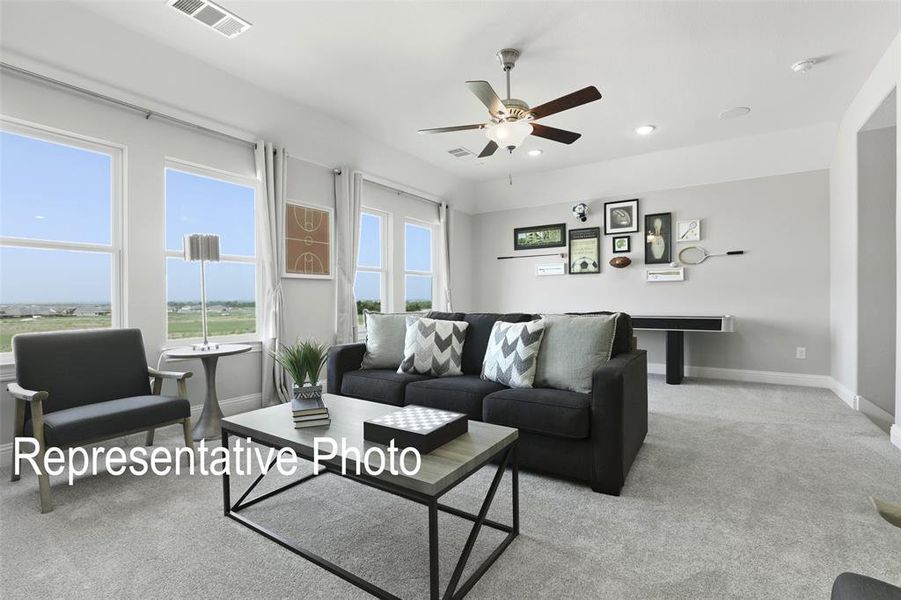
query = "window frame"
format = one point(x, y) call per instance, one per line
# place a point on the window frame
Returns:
point(385, 260)
point(432, 228)
point(116, 247)
point(191, 168)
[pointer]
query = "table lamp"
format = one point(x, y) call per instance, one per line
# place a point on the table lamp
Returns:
point(203, 247)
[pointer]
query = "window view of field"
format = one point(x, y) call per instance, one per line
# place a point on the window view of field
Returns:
point(32, 318)
point(223, 318)
point(376, 306)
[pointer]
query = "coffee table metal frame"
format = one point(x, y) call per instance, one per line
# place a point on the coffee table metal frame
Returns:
point(455, 589)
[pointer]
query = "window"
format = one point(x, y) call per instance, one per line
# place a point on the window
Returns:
point(372, 268)
point(60, 234)
point(418, 275)
point(202, 201)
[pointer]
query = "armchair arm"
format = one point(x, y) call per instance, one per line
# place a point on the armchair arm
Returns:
point(341, 359)
point(20, 393)
point(179, 375)
point(619, 418)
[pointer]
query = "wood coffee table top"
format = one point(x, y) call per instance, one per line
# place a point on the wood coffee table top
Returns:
point(440, 469)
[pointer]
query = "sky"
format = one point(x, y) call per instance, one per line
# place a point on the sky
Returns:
point(55, 192)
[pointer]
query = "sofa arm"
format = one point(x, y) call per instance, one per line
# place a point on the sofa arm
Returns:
point(619, 418)
point(341, 359)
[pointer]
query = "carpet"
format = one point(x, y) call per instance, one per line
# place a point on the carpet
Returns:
point(740, 491)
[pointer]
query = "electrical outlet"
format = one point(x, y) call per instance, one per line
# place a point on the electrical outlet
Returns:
point(801, 353)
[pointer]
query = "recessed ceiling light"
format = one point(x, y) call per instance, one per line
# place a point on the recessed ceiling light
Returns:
point(802, 66)
point(39, 217)
point(536, 152)
point(645, 129)
point(734, 113)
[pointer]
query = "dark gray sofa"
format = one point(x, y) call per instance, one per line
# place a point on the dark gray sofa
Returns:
point(586, 437)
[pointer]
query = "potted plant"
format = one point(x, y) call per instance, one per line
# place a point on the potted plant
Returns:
point(303, 361)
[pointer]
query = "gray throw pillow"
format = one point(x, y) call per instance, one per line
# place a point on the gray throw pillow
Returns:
point(510, 358)
point(433, 347)
point(573, 347)
point(385, 333)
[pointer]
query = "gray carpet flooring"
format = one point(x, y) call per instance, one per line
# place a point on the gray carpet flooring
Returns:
point(740, 491)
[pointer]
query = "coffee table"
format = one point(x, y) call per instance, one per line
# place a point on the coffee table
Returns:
point(441, 471)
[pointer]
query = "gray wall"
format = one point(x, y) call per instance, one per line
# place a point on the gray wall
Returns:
point(778, 291)
point(876, 266)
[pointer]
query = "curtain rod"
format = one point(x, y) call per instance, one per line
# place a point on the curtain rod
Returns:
point(147, 112)
point(386, 186)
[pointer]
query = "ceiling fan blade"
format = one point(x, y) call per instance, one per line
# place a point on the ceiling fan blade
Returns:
point(552, 133)
point(488, 150)
point(455, 128)
point(583, 96)
point(486, 93)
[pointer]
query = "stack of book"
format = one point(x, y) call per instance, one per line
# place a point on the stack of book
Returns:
point(309, 413)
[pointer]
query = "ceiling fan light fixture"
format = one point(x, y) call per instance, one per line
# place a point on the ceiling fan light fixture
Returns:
point(509, 134)
point(536, 152)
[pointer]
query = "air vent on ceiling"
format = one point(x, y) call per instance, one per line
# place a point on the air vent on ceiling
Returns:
point(212, 15)
point(460, 152)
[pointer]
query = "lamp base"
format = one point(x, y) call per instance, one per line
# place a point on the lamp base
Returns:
point(206, 347)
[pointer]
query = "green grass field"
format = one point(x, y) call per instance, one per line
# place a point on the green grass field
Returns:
point(181, 325)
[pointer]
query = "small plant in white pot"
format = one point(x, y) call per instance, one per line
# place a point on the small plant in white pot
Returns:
point(303, 361)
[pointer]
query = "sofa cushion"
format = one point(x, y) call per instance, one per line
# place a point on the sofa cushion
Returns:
point(556, 413)
point(851, 586)
point(385, 334)
point(445, 316)
point(379, 385)
point(512, 353)
point(479, 333)
point(433, 347)
point(573, 347)
point(462, 394)
point(103, 420)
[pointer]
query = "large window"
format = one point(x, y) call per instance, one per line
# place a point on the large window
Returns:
point(418, 267)
point(372, 268)
point(201, 201)
point(60, 232)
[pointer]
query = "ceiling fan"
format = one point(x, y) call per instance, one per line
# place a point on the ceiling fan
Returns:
point(512, 120)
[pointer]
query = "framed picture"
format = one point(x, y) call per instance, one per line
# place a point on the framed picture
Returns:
point(658, 246)
point(622, 243)
point(620, 217)
point(666, 274)
point(307, 238)
point(585, 251)
point(541, 236)
point(688, 230)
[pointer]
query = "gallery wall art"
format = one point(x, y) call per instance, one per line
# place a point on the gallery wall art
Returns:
point(308, 234)
point(539, 236)
point(658, 247)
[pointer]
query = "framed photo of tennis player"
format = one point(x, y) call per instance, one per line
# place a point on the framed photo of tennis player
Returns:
point(307, 237)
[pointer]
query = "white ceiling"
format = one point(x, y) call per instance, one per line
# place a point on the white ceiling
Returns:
point(390, 68)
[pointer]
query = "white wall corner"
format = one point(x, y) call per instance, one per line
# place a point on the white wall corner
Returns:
point(896, 435)
point(846, 395)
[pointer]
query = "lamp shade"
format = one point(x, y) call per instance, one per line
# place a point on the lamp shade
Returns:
point(509, 134)
point(202, 246)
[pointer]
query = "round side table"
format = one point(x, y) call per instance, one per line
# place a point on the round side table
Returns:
point(209, 424)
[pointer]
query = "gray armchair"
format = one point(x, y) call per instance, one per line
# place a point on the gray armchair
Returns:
point(79, 387)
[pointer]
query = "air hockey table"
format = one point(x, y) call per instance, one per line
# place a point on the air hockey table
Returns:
point(675, 327)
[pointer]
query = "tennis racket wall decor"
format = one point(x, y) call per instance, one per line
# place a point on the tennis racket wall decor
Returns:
point(695, 255)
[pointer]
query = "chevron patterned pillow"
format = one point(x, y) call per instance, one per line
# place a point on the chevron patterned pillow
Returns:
point(433, 347)
point(512, 353)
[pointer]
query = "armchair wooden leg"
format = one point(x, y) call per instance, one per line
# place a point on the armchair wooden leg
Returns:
point(18, 431)
point(186, 424)
point(148, 441)
point(37, 419)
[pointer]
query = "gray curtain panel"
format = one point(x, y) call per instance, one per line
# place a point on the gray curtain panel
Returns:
point(271, 163)
point(444, 258)
point(348, 192)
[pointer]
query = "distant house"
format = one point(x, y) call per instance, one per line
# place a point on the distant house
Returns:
point(218, 308)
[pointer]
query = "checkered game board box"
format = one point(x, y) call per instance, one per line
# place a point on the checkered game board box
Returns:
point(418, 427)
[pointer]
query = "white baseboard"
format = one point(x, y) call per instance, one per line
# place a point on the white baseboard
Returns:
point(230, 406)
point(896, 436)
point(866, 406)
point(846, 395)
point(778, 377)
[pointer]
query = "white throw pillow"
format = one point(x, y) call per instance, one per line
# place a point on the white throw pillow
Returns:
point(511, 356)
point(433, 347)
